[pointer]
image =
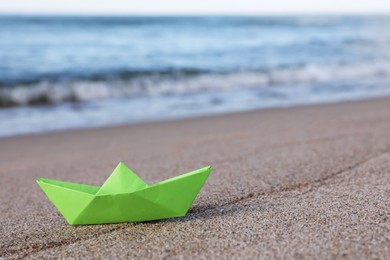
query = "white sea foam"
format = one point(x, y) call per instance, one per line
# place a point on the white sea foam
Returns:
point(52, 92)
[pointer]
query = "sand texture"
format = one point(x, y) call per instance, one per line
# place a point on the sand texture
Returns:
point(303, 182)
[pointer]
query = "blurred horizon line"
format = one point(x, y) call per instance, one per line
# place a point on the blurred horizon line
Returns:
point(115, 14)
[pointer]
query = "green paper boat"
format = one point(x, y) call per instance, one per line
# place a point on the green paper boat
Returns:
point(124, 197)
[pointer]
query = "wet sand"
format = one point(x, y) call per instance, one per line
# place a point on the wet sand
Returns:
point(310, 181)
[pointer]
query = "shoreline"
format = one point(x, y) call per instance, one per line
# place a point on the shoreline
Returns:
point(189, 117)
point(290, 182)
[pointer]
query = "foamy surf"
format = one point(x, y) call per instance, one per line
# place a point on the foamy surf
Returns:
point(83, 90)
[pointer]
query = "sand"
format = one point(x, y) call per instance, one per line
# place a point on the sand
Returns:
point(302, 182)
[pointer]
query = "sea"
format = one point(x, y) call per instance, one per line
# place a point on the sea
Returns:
point(62, 72)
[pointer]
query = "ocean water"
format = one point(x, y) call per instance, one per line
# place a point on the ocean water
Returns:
point(70, 72)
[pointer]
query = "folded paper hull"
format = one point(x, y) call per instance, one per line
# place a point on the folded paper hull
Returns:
point(80, 204)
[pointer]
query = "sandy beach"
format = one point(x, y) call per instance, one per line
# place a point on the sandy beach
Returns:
point(301, 182)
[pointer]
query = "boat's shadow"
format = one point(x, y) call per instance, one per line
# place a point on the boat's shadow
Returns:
point(207, 212)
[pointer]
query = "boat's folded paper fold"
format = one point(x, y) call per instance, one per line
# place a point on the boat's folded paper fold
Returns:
point(125, 197)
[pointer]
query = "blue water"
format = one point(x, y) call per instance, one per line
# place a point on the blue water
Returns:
point(67, 72)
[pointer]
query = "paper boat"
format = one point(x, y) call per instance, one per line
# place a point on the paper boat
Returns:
point(124, 197)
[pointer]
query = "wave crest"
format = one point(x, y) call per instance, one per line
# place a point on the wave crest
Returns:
point(173, 83)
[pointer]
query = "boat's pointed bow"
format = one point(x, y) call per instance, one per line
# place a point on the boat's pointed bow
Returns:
point(69, 198)
point(196, 181)
point(178, 194)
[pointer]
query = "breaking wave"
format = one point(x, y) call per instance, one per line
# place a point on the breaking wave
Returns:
point(56, 90)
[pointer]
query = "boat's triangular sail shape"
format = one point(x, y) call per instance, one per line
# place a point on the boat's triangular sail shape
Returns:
point(122, 180)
